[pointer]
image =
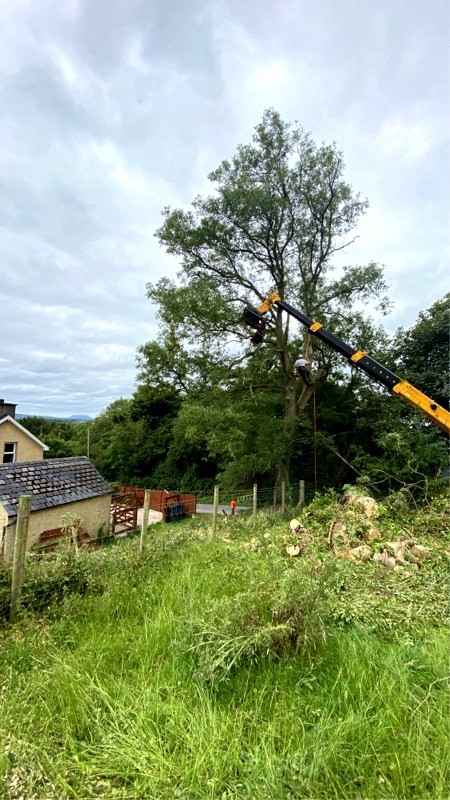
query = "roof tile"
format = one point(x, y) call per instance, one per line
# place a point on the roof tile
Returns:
point(52, 482)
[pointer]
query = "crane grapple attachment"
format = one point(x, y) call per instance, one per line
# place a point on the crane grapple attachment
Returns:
point(254, 319)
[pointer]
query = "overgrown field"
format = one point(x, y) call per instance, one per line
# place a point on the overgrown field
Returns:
point(223, 668)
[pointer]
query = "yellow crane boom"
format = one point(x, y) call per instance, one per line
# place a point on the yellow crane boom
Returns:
point(358, 358)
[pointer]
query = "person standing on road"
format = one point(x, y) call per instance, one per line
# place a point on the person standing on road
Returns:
point(233, 506)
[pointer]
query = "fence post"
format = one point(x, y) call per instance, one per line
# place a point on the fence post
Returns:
point(301, 494)
point(144, 521)
point(255, 498)
point(283, 496)
point(20, 545)
point(215, 509)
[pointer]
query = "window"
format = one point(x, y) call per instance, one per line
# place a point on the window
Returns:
point(9, 452)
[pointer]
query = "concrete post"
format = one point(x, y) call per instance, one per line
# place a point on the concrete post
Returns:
point(144, 521)
point(215, 509)
point(301, 494)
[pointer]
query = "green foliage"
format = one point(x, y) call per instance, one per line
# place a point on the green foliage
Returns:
point(116, 441)
point(254, 626)
point(40, 426)
point(130, 439)
point(209, 407)
point(422, 352)
point(48, 581)
point(64, 439)
point(389, 443)
point(59, 448)
point(228, 421)
point(280, 210)
point(403, 449)
point(225, 432)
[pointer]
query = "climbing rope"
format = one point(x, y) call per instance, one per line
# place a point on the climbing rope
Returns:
point(305, 355)
point(315, 440)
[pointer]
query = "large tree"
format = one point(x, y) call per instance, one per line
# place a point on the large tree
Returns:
point(279, 212)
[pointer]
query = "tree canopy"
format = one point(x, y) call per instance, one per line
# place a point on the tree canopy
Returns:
point(279, 212)
point(422, 352)
point(209, 406)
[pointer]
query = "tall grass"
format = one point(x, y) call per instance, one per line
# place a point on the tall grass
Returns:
point(179, 681)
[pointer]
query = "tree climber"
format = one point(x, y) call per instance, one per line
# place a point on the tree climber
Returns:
point(301, 367)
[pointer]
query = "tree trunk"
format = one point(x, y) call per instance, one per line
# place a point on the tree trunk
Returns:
point(289, 428)
point(293, 407)
point(282, 476)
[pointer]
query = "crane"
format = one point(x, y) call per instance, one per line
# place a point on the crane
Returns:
point(254, 317)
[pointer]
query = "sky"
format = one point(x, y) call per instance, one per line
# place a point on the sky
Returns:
point(114, 109)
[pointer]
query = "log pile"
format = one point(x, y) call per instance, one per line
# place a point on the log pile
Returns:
point(357, 521)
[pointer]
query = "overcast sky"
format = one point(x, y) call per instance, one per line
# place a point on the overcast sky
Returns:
point(113, 109)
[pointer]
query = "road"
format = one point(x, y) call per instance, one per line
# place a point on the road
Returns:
point(207, 508)
point(202, 508)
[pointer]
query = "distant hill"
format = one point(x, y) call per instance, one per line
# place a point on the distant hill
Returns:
point(73, 418)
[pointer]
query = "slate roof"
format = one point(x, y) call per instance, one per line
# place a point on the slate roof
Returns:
point(52, 482)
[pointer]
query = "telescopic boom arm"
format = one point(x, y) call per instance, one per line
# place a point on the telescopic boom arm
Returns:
point(357, 358)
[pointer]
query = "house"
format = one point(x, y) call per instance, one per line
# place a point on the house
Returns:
point(16, 443)
point(56, 486)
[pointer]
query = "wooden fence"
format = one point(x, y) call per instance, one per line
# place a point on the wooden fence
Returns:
point(160, 500)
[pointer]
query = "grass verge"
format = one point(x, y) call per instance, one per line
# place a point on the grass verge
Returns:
point(223, 669)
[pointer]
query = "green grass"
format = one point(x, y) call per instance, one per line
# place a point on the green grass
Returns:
point(223, 669)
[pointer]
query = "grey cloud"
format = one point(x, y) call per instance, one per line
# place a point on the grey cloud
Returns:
point(36, 92)
point(115, 109)
point(174, 33)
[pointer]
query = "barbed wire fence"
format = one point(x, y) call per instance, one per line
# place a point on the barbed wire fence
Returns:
point(243, 500)
point(277, 499)
point(254, 498)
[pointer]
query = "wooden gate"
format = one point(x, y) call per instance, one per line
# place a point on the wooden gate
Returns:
point(159, 500)
point(124, 513)
point(172, 505)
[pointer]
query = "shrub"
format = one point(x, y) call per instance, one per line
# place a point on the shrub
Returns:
point(256, 625)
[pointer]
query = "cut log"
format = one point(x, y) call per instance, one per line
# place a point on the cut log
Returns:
point(372, 535)
point(367, 505)
point(420, 551)
point(296, 526)
point(294, 550)
point(363, 552)
point(385, 559)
